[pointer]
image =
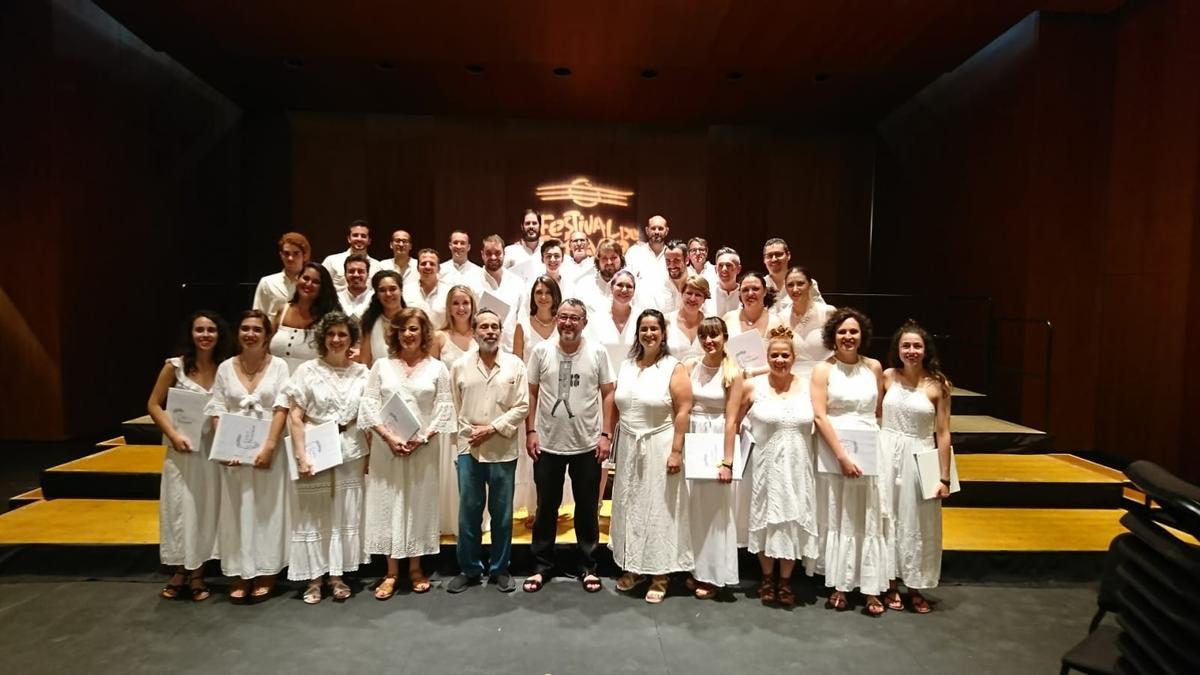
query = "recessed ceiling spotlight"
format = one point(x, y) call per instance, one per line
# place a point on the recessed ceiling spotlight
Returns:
point(474, 68)
point(821, 77)
point(293, 63)
point(649, 74)
point(385, 65)
point(734, 75)
point(562, 71)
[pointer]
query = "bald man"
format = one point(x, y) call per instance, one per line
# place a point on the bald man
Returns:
point(647, 260)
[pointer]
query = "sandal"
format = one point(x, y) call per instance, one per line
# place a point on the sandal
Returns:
point(836, 601)
point(657, 591)
point(628, 581)
point(787, 598)
point(591, 583)
point(874, 607)
point(312, 594)
point(237, 592)
point(534, 582)
point(341, 592)
point(198, 589)
point(386, 588)
point(919, 604)
point(704, 591)
point(262, 591)
point(420, 582)
point(766, 590)
point(172, 591)
point(892, 600)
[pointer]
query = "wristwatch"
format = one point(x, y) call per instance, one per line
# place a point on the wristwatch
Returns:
point(605, 434)
point(945, 481)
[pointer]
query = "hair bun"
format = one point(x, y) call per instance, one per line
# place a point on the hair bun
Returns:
point(780, 332)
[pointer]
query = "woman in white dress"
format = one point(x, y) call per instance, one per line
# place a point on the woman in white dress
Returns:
point(402, 481)
point(682, 339)
point(386, 302)
point(851, 509)
point(314, 297)
point(716, 396)
point(805, 315)
point(254, 526)
point(916, 417)
point(614, 329)
point(540, 325)
point(328, 512)
point(783, 524)
point(190, 491)
point(649, 532)
point(455, 338)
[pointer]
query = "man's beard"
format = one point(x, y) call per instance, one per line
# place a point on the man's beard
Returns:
point(606, 274)
point(492, 265)
point(530, 235)
point(488, 348)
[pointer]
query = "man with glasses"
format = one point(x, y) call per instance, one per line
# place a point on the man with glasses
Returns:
point(578, 261)
point(697, 253)
point(777, 257)
point(569, 429)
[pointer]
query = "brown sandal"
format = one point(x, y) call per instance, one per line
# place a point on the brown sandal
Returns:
point(787, 598)
point(766, 590)
point(837, 601)
point(197, 588)
point(920, 605)
point(386, 588)
point(172, 591)
point(892, 600)
point(874, 607)
point(420, 582)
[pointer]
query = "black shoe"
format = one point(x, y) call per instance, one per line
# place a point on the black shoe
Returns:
point(503, 582)
point(460, 583)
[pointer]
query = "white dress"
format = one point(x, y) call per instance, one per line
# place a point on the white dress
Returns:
point(909, 425)
point(714, 536)
point(678, 343)
point(808, 337)
point(189, 495)
point(851, 512)
point(379, 345)
point(524, 489)
point(327, 516)
point(255, 526)
point(650, 532)
point(402, 492)
point(293, 345)
point(783, 522)
point(448, 450)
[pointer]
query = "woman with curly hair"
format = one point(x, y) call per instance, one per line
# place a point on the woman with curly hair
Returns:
point(402, 484)
point(916, 418)
point(851, 509)
point(386, 302)
point(314, 298)
point(327, 518)
point(190, 496)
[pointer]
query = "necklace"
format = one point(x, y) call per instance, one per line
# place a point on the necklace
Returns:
point(748, 322)
point(251, 375)
point(802, 323)
point(543, 324)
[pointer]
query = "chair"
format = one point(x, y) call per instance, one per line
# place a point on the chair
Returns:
point(1097, 654)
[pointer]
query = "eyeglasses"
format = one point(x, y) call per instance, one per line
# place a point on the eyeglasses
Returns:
point(698, 250)
point(569, 318)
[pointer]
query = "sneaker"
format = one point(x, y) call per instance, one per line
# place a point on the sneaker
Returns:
point(461, 582)
point(503, 582)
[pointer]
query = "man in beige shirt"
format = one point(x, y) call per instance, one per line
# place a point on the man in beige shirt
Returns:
point(492, 398)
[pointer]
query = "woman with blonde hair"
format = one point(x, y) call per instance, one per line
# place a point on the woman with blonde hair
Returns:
point(455, 339)
point(685, 321)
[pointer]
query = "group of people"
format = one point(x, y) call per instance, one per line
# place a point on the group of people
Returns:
point(531, 376)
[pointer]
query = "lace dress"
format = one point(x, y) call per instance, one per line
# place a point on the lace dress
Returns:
point(714, 535)
point(448, 475)
point(327, 518)
point(402, 514)
point(783, 522)
point(649, 531)
point(255, 526)
point(807, 339)
point(378, 338)
point(293, 345)
point(909, 425)
point(190, 495)
point(852, 512)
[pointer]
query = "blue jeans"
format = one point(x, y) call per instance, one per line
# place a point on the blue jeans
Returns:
point(475, 480)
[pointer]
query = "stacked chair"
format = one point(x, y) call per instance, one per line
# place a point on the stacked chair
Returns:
point(1151, 583)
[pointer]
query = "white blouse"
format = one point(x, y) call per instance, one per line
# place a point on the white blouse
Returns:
point(425, 388)
point(328, 394)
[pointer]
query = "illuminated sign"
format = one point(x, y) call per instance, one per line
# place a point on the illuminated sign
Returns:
point(599, 212)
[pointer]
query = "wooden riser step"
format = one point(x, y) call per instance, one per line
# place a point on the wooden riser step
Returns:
point(1036, 481)
point(967, 402)
point(987, 434)
point(25, 498)
point(121, 472)
point(141, 431)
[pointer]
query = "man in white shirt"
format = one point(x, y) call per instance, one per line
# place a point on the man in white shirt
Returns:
point(528, 247)
point(276, 290)
point(459, 269)
point(401, 261)
point(577, 262)
point(667, 297)
point(505, 285)
point(594, 288)
point(357, 296)
point(569, 428)
point(725, 293)
point(430, 292)
point(697, 248)
point(359, 238)
point(777, 257)
point(491, 396)
point(645, 259)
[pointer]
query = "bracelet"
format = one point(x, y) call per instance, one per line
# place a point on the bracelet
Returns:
point(725, 464)
point(605, 434)
point(945, 481)
point(530, 431)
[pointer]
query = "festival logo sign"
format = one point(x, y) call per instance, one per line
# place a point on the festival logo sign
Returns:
point(597, 210)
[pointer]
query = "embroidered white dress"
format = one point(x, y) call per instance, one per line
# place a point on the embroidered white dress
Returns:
point(851, 512)
point(293, 345)
point(189, 495)
point(909, 425)
point(327, 517)
point(255, 526)
point(524, 489)
point(678, 343)
point(808, 338)
point(714, 535)
point(783, 522)
point(448, 450)
point(650, 531)
point(402, 491)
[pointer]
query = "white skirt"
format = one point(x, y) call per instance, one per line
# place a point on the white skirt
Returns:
point(850, 533)
point(714, 535)
point(915, 546)
point(327, 523)
point(402, 515)
point(649, 532)
point(255, 528)
point(188, 504)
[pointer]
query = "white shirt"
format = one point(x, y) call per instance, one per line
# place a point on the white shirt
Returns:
point(573, 272)
point(452, 273)
point(645, 264)
point(666, 298)
point(508, 289)
point(568, 404)
point(515, 254)
point(709, 273)
point(499, 397)
point(407, 275)
point(336, 264)
point(721, 301)
point(433, 302)
point(355, 306)
point(273, 292)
